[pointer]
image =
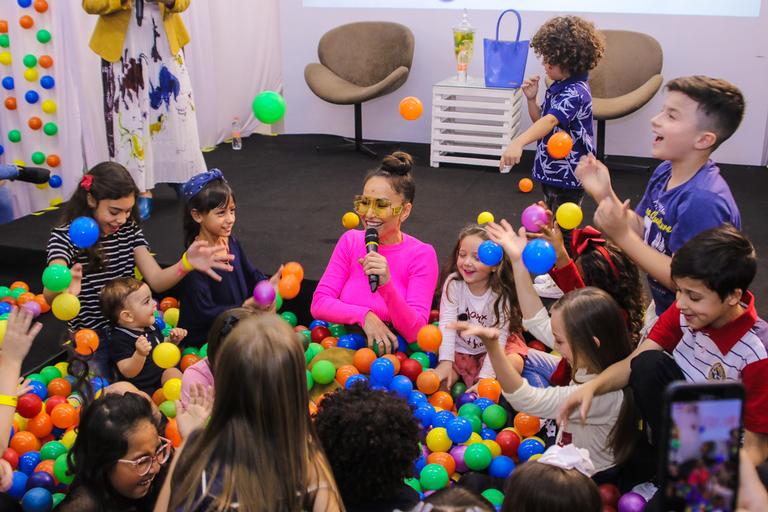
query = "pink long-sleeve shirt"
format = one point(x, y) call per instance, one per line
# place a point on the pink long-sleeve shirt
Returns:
point(343, 294)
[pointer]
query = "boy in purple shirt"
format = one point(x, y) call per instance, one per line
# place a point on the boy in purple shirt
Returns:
point(686, 194)
point(569, 47)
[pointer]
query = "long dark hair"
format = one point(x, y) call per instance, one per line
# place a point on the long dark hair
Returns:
point(502, 281)
point(108, 180)
point(215, 194)
point(102, 440)
point(224, 324)
point(539, 487)
point(590, 313)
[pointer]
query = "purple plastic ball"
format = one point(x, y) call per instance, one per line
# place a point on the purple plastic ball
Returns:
point(264, 293)
point(465, 398)
point(457, 452)
point(631, 502)
point(532, 217)
point(32, 307)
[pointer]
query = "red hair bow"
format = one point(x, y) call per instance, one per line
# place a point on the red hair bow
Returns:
point(86, 182)
point(583, 238)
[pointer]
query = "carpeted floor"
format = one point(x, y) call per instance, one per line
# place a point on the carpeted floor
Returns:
point(291, 199)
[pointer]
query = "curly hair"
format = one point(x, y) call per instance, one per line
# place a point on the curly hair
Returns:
point(570, 42)
point(371, 439)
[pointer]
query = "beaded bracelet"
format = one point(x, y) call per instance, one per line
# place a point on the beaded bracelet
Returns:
point(10, 401)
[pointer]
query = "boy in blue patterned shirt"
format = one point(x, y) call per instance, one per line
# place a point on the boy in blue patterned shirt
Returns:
point(569, 48)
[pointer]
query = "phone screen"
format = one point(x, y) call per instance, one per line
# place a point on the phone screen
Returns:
point(702, 457)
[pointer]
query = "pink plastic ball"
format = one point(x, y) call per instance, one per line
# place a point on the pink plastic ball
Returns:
point(532, 217)
point(457, 452)
point(32, 307)
point(264, 293)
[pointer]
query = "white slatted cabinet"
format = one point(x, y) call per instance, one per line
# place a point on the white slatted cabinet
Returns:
point(471, 123)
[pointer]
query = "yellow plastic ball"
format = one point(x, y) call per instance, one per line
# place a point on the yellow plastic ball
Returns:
point(19, 162)
point(172, 389)
point(30, 74)
point(569, 215)
point(49, 106)
point(350, 220)
point(5, 58)
point(20, 420)
point(3, 327)
point(63, 367)
point(68, 439)
point(56, 201)
point(438, 440)
point(493, 446)
point(171, 317)
point(166, 355)
point(534, 456)
point(474, 438)
point(41, 186)
point(137, 274)
point(65, 306)
point(485, 218)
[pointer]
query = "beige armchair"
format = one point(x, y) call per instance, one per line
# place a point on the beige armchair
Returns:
point(359, 62)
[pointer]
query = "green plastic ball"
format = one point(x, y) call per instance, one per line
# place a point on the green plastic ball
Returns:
point(43, 36)
point(323, 372)
point(310, 380)
point(458, 389)
point(433, 477)
point(414, 347)
point(307, 335)
point(477, 423)
point(57, 277)
point(290, 317)
point(278, 301)
point(269, 107)
point(203, 351)
point(168, 408)
point(38, 157)
point(337, 330)
point(52, 450)
point(422, 358)
point(50, 129)
point(49, 373)
point(495, 496)
point(4, 292)
point(495, 417)
point(61, 471)
point(470, 409)
point(477, 457)
point(190, 350)
point(30, 60)
point(5, 41)
point(14, 135)
point(58, 497)
point(16, 292)
point(312, 350)
point(37, 377)
point(413, 483)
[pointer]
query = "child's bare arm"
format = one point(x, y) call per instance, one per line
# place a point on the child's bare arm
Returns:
point(132, 366)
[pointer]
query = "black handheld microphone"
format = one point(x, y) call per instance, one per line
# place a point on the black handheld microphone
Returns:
point(36, 175)
point(372, 245)
point(139, 11)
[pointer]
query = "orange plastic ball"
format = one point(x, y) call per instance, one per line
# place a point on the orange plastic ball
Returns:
point(41, 6)
point(411, 108)
point(489, 388)
point(26, 21)
point(526, 424)
point(329, 342)
point(86, 342)
point(59, 387)
point(44, 306)
point(46, 466)
point(10, 103)
point(188, 360)
point(41, 425)
point(444, 459)
point(167, 303)
point(442, 399)
point(288, 286)
point(24, 298)
point(428, 382)
point(53, 160)
point(158, 396)
point(293, 268)
point(35, 123)
point(525, 185)
point(64, 415)
point(45, 61)
point(559, 145)
point(345, 372)
point(429, 338)
point(3, 27)
point(24, 442)
point(312, 409)
point(19, 284)
point(363, 359)
point(395, 361)
point(172, 433)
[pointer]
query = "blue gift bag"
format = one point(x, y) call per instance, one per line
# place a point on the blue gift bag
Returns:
point(505, 60)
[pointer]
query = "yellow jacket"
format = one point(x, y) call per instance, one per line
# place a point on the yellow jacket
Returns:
point(115, 16)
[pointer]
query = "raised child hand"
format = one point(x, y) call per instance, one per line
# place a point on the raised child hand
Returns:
point(504, 235)
point(594, 177)
point(143, 346)
point(177, 334)
point(488, 335)
point(611, 217)
point(197, 410)
point(530, 87)
point(19, 335)
point(205, 258)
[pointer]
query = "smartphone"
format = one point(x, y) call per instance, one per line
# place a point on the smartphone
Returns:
point(701, 436)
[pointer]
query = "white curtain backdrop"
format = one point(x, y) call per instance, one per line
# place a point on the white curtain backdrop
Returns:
point(234, 54)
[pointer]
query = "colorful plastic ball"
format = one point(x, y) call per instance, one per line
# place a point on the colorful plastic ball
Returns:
point(489, 388)
point(8, 83)
point(459, 430)
point(188, 360)
point(312, 350)
point(609, 495)
point(14, 135)
point(323, 372)
point(24, 442)
point(37, 499)
point(24, 3)
point(18, 485)
point(264, 293)
point(5, 58)
point(470, 409)
point(501, 466)
point(526, 424)
point(84, 232)
point(509, 441)
point(41, 6)
point(417, 399)
point(442, 399)
point(49, 373)
point(382, 371)
point(318, 323)
point(10, 104)
point(411, 368)
point(428, 383)
point(533, 216)
point(61, 470)
point(429, 338)
point(2, 149)
point(55, 181)
point(425, 414)
point(293, 268)
point(43, 36)
point(57, 277)
point(288, 286)
point(477, 457)
point(559, 145)
point(442, 419)
point(65, 306)
point(490, 253)
point(268, 107)
point(49, 106)
point(45, 61)
point(32, 97)
point(411, 108)
point(5, 41)
point(10, 456)
point(457, 391)
point(47, 82)
point(28, 462)
point(483, 403)
point(52, 449)
point(64, 416)
point(528, 448)
point(539, 256)
point(350, 220)
point(172, 389)
point(569, 215)
point(29, 60)
point(166, 355)
point(86, 341)
point(438, 440)
point(26, 21)
point(50, 129)
point(30, 74)
point(485, 218)
point(38, 157)
point(168, 409)
point(631, 502)
point(495, 417)
point(290, 317)
point(422, 358)
point(363, 358)
point(457, 454)
point(433, 477)
point(29, 405)
point(495, 496)
point(354, 379)
point(171, 316)
point(167, 303)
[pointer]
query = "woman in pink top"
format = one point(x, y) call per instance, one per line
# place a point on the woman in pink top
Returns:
point(406, 267)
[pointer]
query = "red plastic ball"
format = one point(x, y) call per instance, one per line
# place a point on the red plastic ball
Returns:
point(610, 495)
point(411, 368)
point(12, 457)
point(29, 405)
point(53, 401)
point(319, 333)
point(537, 345)
point(509, 441)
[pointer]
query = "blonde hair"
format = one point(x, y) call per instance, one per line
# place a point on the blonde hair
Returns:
point(259, 444)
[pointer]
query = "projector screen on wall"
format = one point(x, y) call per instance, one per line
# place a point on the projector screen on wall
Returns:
point(680, 7)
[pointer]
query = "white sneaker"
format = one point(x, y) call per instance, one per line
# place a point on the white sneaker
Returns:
point(546, 287)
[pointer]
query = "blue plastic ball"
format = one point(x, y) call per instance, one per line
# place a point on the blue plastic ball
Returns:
point(425, 414)
point(5, 308)
point(37, 500)
point(360, 340)
point(490, 253)
point(24, 3)
point(84, 232)
point(41, 479)
point(346, 341)
point(355, 378)
point(539, 256)
point(488, 433)
point(402, 345)
point(501, 466)
point(2, 149)
point(378, 387)
point(382, 371)
point(18, 485)
point(420, 463)
point(465, 398)
point(39, 389)
point(529, 448)
point(55, 181)
point(47, 82)
point(432, 359)
point(416, 398)
point(159, 323)
point(8, 83)
point(459, 430)
point(483, 403)
point(315, 323)
point(28, 462)
point(32, 97)
point(401, 385)
point(442, 419)
point(99, 383)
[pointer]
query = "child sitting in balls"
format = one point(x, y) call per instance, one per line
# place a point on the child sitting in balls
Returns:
point(371, 439)
point(454, 499)
point(133, 335)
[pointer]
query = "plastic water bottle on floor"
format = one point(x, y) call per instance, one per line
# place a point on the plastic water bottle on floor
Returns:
point(237, 142)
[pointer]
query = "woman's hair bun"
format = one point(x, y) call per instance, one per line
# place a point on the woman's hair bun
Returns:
point(398, 162)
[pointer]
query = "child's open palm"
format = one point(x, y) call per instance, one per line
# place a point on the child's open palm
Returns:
point(143, 346)
point(193, 416)
point(205, 258)
point(531, 87)
point(504, 235)
point(594, 177)
point(488, 335)
point(19, 335)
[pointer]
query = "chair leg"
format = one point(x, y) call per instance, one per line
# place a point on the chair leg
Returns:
point(609, 162)
point(600, 139)
point(358, 143)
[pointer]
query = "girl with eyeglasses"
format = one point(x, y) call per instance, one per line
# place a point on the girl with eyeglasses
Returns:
point(406, 267)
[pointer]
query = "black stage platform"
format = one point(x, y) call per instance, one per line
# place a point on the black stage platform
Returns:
point(290, 201)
